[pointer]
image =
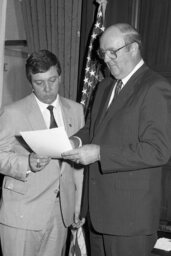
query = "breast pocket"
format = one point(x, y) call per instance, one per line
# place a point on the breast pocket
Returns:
point(16, 186)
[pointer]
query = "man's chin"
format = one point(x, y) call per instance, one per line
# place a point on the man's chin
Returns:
point(114, 71)
point(49, 100)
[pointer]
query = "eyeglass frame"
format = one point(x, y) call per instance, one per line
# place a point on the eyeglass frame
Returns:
point(101, 53)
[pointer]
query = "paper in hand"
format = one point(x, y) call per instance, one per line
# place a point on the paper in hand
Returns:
point(48, 142)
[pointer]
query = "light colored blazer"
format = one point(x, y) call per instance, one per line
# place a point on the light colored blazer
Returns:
point(27, 202)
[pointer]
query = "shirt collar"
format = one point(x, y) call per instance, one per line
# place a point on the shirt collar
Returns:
point(43, 106)
point(125, 79)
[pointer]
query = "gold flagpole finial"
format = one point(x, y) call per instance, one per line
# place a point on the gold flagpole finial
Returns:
point(103, 3)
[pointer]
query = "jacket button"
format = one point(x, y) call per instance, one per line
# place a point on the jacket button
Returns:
point(93, 181)
point(10, 186)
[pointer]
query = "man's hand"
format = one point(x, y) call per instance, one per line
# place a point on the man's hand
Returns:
point(86, 154)
point(37, 163)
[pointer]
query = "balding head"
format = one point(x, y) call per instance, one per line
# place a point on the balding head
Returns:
point(120, 45)
point(124, 30)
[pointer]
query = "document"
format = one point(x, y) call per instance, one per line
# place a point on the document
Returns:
point(163, 244)
point(49, 142)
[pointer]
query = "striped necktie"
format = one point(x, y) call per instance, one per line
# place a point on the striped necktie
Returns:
point(118, 87)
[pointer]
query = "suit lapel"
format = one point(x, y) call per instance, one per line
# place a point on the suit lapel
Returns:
point(69, 126)
point(34, 114)
point(66, 115)
point(121, 98)
point(104, 103)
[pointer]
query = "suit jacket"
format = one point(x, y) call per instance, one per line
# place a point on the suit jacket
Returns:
point(125, 185)
point(27, 203)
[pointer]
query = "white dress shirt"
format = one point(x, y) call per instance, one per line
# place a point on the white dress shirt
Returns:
point(56, 111)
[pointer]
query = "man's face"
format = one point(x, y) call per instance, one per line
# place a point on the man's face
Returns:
point(119, 61)
point(46, 85)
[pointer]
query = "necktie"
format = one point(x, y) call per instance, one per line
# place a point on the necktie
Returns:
point(53, 123)
point(118, 87)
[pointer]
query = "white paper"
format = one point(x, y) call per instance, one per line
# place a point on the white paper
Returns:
point(49, 142)
point(163, 244)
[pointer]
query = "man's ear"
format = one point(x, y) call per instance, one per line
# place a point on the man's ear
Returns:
point(134, 48)
point(31, 86)
point(59, 79)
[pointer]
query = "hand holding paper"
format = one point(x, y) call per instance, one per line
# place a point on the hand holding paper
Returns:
point(37, 163)
point(48, 142)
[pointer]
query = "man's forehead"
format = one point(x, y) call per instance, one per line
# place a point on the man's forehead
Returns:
point(111, 40)
point(47, 74)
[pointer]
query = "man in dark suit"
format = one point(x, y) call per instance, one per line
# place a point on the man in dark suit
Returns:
point(41, 197)
point(126, 140)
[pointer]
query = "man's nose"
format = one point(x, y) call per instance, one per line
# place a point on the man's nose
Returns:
point(46, 86)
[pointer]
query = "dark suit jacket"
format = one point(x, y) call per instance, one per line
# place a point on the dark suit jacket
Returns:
point(134, 138)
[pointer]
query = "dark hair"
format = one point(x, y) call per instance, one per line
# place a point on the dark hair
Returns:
point(40, 62)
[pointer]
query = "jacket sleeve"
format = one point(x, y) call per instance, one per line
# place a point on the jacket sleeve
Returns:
point(12, 163)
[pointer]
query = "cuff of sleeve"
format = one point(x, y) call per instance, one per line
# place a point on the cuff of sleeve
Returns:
point(79, 141)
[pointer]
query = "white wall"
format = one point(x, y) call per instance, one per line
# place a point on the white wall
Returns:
point(3, 5)
point(15, 84)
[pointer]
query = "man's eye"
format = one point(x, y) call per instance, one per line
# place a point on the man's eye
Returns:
point(38, 82)
point(52, 80)
point(112, 52)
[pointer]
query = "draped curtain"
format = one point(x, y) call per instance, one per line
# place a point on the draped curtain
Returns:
point(55, 25)
point(155, 28)
point(3, 7)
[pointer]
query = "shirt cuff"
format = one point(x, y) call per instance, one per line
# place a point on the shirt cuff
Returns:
point(80, 141)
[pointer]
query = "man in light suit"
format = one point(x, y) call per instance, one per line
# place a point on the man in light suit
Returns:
point(128, 140)
point(41, 197)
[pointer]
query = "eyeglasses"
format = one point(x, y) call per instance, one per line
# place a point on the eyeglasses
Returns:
point(110, 52)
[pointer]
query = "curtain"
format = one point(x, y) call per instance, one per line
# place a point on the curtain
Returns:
point(119, 11)
point(3, 7)
point(87, 19)
point(55, 25)
point(155, 28)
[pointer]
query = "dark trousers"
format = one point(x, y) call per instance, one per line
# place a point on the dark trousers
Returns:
point(112, 245)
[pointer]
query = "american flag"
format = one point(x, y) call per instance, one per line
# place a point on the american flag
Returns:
point(92, 75)
point(77, 244)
